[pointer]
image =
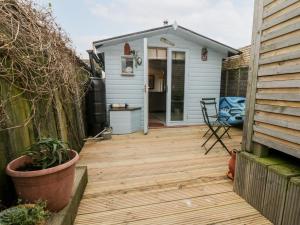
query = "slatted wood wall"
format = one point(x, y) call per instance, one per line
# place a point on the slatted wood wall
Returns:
point(273, 107)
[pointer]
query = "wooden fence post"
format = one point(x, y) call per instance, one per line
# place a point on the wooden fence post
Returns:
point(62, 122)
point(252, 77)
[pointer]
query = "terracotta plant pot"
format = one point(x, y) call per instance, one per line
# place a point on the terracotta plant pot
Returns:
point(53, 185)
point(231, 165)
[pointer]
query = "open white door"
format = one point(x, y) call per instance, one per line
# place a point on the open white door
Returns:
point(146, 89)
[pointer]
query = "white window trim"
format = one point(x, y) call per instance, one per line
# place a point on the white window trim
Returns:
point(128, 57)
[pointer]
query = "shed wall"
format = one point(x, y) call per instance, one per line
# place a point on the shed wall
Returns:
point(273, 110)
point(120, 88)
point(203, 77)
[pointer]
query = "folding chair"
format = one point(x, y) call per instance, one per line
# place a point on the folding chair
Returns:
point(215, 115)
point(214, 127)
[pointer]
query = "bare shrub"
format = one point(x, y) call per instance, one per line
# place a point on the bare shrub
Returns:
point(36, 59)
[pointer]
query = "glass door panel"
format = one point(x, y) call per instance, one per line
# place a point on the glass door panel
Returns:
point(177, 85)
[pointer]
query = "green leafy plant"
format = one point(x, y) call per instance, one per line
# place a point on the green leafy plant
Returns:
point(46, 153)
point(26, 214)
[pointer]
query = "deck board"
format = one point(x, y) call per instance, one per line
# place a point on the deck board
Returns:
point(161, 178)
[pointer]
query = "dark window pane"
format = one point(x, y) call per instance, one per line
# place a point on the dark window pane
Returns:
point(177, 86)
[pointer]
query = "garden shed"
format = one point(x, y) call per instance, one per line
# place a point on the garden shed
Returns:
point(163, 73)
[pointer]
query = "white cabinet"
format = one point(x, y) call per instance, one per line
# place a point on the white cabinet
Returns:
point(125, 120)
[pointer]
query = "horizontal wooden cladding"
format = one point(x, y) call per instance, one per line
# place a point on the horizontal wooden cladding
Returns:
point(281, 42)
point(280, 90)
point(267, 2)
point(295, 76)
point(279, 96)
point(277, 103)
point(279, 84)
point(284, 15)
point(290, 67)
point(276, 119)
point(281, 29)
point(287, 121)
point(280, 58)
point(284, 4)
point(283, 133)
point(278, 144)
point(286, 110)
point(283, 52)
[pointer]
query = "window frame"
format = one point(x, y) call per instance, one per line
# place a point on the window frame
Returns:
point(127, 57)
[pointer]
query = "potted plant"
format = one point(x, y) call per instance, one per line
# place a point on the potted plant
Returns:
point(46, 172)
point(26, 214)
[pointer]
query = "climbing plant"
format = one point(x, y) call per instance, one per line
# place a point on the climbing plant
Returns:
point(37, 62)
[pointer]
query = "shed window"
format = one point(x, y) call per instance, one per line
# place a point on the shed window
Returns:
point(157, 53)
point(127, 65)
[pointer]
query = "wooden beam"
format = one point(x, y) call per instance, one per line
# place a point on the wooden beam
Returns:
point(293, 111)
point(267, 2)
point(279, 70)
point(277, 134)
point(279, 7)
point(280, 44)
point(287, 16)
point(281, 31)
point(279, 96)
point(260, 150)
point(279, 84)
point(278, 146)
point(252, 78)
point(280, 58)
point(282, 123)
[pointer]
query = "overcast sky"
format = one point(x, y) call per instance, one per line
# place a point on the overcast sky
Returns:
point(227, 21)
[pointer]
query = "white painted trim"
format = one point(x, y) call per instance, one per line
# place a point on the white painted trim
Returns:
point(163, 30)
point(146, 88)
point(168, 100)
point(186, 83)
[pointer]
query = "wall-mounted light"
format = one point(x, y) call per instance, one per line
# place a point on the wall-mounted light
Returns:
point(166, 41)
point(139, 60)
point(136, 57)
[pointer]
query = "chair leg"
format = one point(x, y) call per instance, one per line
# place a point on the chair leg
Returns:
point(206, 133)
point(210, 136)
point(227, 132)
point(219, 139)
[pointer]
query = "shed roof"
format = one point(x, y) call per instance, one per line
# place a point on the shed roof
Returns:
point(182, 31)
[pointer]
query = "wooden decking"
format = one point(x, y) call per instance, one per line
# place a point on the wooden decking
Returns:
point(161, 178)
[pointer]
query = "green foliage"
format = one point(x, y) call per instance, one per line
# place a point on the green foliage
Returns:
point(48, 152)
point(30, 214)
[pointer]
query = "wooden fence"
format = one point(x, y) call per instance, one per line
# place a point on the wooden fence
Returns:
point(273, 107)
point(234, 82)
point(63, 120)
point(234, 76)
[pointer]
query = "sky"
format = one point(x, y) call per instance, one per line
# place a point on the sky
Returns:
point(85, 21)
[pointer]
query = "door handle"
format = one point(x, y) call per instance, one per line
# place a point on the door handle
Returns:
point(145, 88)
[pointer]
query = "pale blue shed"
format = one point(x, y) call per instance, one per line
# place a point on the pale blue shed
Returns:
point(163, 73)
